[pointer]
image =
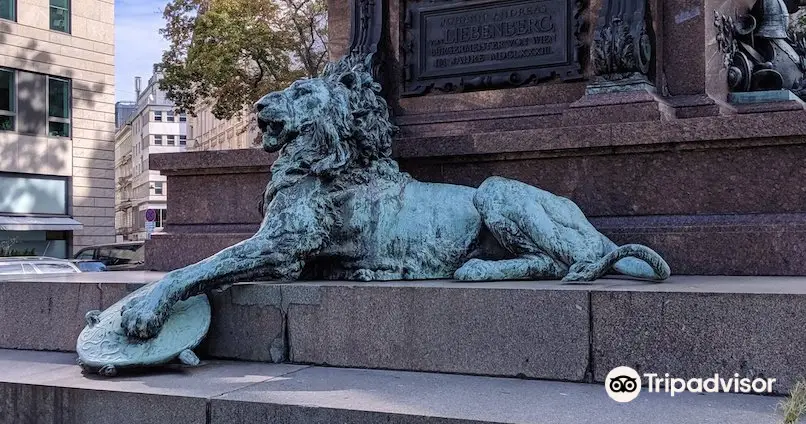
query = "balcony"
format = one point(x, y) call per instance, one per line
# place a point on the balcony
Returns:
point(123, 205)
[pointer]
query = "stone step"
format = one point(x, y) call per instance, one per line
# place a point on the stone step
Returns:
point(40, 387)
point(689, 327)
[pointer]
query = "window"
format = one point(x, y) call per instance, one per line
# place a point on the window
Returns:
point(86, 254)
point(183, 140)
point(23, 195)
point(120, 255)
point(56, 268)
point(158, 115)
point(158, 188)
point(169, 116)
point(162, 215)
point(8, 100)
point(171, 140)
point(7, 10)
point(58, 107)
point(158, 140)
point(182, 116)
point(10, 269)
point(60, 15)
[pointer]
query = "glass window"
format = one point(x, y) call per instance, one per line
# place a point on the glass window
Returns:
point(158, 115)
point(158, 188)
point(8, 100)
point(7, 10)
point(183, 140)
point(171, 140)
point(58, 107)
point(120, 255)
point(183, 117)
point(60, 15)
point(10, 269)
point(55, 268)
point(169, 116)
point(162, 214)
point(158, 140)
point(31, 195)
point(86, 254)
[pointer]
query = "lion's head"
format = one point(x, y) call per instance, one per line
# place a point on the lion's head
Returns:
point(331, 123)
point(336, 125)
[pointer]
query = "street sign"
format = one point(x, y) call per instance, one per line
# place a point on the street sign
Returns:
point(150, 226)
point(151, 215)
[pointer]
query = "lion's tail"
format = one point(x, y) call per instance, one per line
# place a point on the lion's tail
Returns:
point(635, 260)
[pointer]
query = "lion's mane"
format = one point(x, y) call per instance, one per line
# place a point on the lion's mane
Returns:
point(352, 144)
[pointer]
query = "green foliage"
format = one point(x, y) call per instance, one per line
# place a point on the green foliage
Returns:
point(232, 52)
point(14, 252)
point(7, 249)
point(794, 407)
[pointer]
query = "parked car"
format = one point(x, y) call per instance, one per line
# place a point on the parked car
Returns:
point(87, 265)
point(36, 265)
point(116, 256)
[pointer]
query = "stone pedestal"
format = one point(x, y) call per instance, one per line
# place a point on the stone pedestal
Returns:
point(714, 185)
point(213, 203)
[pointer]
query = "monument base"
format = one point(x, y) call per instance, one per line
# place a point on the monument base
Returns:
point(44, 387)
point(692, 189)
point(689, 326)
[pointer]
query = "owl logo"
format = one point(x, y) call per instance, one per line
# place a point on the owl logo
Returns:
point(623, 384)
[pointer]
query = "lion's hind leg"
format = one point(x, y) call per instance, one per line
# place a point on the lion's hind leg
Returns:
point(527, 267)
point(531, 223)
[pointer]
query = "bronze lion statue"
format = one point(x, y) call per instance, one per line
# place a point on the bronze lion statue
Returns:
point(338, 207)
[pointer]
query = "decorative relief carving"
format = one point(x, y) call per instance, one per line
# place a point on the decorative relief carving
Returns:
point(622, 46)
point(762, 52)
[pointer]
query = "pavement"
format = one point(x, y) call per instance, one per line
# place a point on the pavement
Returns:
point(38, 387)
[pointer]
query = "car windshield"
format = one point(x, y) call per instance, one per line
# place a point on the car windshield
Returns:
point(121, 255)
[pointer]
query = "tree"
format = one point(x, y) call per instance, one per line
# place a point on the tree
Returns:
point(232, 52)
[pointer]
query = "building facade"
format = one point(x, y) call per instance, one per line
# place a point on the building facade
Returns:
point(124, 111)
point(57, 125)
point(154, 127)
point(205, 132)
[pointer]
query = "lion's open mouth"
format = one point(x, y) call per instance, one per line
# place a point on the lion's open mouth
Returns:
point(272, 127)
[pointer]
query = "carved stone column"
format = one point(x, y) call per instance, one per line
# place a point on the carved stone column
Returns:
point(369, 36)
point(622, 47)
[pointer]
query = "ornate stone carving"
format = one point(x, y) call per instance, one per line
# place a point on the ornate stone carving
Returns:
point(761, 52)
point(622, 47)
point(369, 36)
point(103, 347)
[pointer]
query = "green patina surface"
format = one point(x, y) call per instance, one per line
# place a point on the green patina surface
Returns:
point(338, 207)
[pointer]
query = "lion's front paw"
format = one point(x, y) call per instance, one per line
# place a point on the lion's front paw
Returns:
point(473, 270)
point(141, 318)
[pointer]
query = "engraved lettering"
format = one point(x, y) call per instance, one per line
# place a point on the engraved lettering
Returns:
point(455, 39)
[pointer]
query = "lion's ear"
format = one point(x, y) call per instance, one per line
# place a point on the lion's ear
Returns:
point(349, 79)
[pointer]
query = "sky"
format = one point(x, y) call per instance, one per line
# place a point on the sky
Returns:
point(138, 44)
